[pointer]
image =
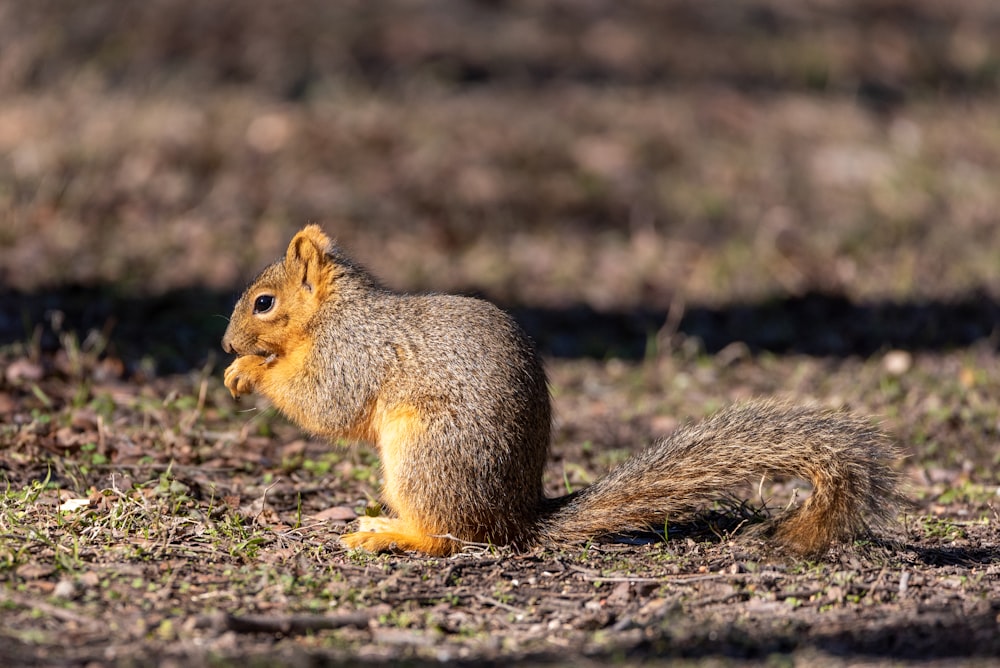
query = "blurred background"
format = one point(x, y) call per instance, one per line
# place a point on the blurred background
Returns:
point(814, 176)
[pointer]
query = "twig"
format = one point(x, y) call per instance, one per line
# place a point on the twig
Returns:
point(593, 576)
point(62, 614)
point(503, 606)
point(263, 499)
point(802, 594)
point(180, 468)
point(284, 624)
point(878, 582)
point(904, 582)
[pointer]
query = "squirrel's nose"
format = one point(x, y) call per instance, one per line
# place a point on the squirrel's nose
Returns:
point(227, 344)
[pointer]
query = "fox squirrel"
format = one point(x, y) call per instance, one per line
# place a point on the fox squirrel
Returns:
point(453, 395)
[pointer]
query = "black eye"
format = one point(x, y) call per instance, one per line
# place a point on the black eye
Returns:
point(263, 304)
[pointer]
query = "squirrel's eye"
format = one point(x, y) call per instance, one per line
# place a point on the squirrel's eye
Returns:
point(263, 304)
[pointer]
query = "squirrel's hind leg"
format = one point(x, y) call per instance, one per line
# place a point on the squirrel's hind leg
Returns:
point(382, 534)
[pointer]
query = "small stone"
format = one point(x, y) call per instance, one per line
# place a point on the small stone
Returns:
point(23, 370)
point(65, 589)
point(897, 362)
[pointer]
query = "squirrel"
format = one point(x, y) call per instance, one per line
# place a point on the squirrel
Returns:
point(453, 395)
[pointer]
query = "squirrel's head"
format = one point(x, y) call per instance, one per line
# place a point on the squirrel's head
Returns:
point(273, 314)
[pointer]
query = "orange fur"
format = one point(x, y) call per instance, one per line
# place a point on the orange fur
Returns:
point(395, 431)
point(281, 374)
point(378, 534)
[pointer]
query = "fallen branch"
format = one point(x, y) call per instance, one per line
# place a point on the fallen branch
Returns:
point(283, 624)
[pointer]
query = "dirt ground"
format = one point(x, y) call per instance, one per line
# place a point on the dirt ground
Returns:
point(685, 204)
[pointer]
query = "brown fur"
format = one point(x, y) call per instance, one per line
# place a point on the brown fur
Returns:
point(453, 395)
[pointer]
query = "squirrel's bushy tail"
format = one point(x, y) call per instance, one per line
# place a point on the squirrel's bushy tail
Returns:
point(846, 459)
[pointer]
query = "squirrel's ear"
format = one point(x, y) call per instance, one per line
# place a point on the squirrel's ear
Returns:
point(306, 256)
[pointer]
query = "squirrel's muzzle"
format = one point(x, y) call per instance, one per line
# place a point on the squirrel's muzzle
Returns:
point(227, 342)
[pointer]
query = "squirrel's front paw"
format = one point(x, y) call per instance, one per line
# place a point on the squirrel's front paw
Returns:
point(240, 377)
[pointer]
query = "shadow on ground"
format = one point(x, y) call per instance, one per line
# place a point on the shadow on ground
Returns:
point(180, 330)
point(813, 324)
point(173, 332)
point(933, 634)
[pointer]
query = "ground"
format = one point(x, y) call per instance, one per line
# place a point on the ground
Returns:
point(684, 204)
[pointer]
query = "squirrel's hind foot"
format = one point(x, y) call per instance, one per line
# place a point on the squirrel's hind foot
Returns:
point(386, 534)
